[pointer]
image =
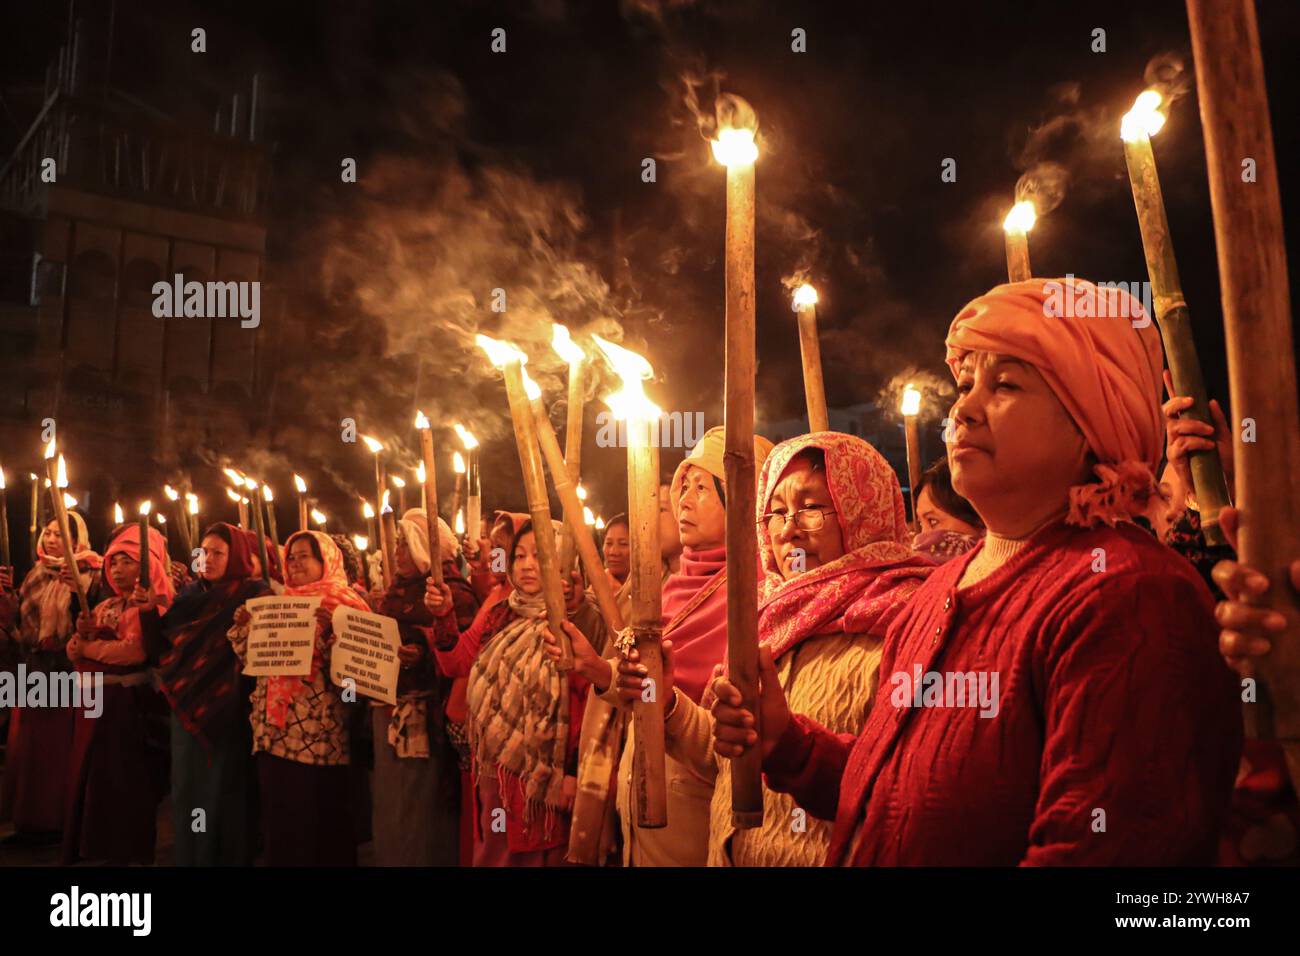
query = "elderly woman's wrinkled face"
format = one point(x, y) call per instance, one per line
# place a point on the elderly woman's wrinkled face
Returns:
point(302, 565)
point(526, 572)
point(1014, 448)
point(402, 559)
point(802, 527)
point(701, 515)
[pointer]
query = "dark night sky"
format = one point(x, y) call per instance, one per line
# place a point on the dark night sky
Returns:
point(516, 170)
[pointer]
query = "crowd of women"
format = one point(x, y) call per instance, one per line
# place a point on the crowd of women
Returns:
point(1045, 563)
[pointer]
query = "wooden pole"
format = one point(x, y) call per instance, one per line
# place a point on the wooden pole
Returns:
point(6, 560)
point(36, 526)
point(539, 508)
point(742, 536)
point(430, 497)
point(1175, 327)
point(573, 460)
point(1018, 255)
point(649, 780)
point(260, 530)
point(270, 519)
point(385, 542)
point(473, 498)
point(1257, 326)
point(913, 434)
point(814, 386)
point(142, 520)
point(65, 530)
point(302, 512)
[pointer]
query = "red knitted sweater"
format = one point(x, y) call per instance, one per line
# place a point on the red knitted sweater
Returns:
point(1117, 732)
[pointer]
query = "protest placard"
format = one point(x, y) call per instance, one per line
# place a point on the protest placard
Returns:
point(281, 636)
point(365, 653)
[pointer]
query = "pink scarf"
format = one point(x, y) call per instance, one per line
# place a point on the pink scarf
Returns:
point(861, 591)
point(117, 613)
point(695, 617)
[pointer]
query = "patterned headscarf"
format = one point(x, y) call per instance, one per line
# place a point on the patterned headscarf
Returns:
point(116, 612)
point(860, 591)
point(333, 589)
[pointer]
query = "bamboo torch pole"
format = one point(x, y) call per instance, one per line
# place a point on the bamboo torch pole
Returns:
point(814, 386)
point(1257, 326)
point(430, 495)
point(911, 408)
point(473, 488)
point(301, 487)
point(1136, 130)
point(57, 472)
point(511, 360)
point(650, 788)
point(385, 542)
point(259, 529)
point(1016, 226)
point(6, 559)
point(736, 150)
point(143, 531)
point(569, 350)
point(268, 498)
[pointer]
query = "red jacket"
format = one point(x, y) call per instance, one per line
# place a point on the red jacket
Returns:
point(1117, 733)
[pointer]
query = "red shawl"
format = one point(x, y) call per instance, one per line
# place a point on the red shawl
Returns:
point(861, 591)
point(696, 622)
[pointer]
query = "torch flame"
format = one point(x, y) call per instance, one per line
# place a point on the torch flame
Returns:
point(145, 507)
point(398, 480)
point(318, 517)
point(498, 352)
point(911, 401)
point(194, 503)
point(531, 388)
point(564, 345)
point(267, 496)
point(49, 449)
point(466, 436)
point(234, 495)
point(1021, 218)
point(366, 511)
point(735, 147)
point(805, 296)
point(457, 463)
point(162, 518)
point(600, 523)
point(421, 422)
point(250, 484)
point(61, 476)
point(373, 444)
point(1144, 119)
point(118, 517)
point(582, 493)
point(300, 484)
point(587, 516)
point(69, 501)
point(171, 493)
point(360, 541)
point(385, 507)
point(234, 476)
point(632, 369)
point(460, 522)
point(420, 473)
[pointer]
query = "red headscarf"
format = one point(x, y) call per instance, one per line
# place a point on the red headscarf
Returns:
point(116, 612)
point(1099, 353)
point(333, 589)
point(862, 590)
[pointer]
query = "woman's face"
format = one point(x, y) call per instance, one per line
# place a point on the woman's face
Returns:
point(402, 559)
point(1015, 451)
point(933, 518)
point(123, 572)
point(525, 571)
point(302, 565)
point(670, 542)
point(216, 555)
point(618, 551)
point(701, 515)
point(52, 540)
point(798, 550)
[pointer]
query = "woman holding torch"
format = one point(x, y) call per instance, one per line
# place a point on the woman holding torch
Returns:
point(523, 739)
point(1067, 624)
point(416, 785)
point(40, 738)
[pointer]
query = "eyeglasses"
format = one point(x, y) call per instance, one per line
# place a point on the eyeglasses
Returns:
point(805, 519)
